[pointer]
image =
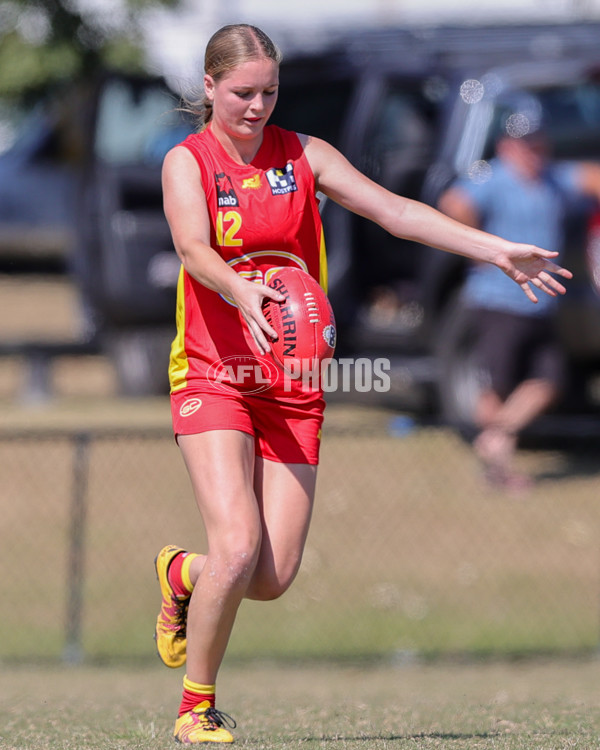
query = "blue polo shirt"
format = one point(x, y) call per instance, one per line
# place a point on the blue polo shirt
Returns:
point(533, 212)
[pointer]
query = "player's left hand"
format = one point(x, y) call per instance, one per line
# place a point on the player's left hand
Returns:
point(530, 265)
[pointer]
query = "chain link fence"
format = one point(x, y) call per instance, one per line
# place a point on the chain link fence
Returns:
point(408, 554)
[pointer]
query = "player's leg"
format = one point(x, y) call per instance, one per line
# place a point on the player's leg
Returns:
point(221, 467)
point(288, 436)
point(285, 494)
point(195, 410)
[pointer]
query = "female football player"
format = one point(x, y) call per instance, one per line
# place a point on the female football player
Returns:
point(239, 197)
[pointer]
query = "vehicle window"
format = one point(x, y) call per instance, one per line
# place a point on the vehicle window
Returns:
point(45, 132)
point(137, 124)
point(397, 152)
point(399, 138)
point(574, 119)
point(313, 108)
point(571, 116)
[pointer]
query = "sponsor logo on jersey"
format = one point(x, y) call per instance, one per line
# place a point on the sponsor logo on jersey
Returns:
point(225, 193)
point(251, 183)
point(190, 406)
point(282, 181)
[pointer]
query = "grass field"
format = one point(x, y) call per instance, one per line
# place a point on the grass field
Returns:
point(406, 552)
point(400, 557)
point(407, 555)
point(529, 705)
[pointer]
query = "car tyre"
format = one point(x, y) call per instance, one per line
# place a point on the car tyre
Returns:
point(461, 376)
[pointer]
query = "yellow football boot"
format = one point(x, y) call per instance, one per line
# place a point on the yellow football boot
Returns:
point(203, 724)
point(170, 634)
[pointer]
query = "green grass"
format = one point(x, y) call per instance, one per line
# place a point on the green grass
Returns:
point(529, 705)
point(406, 553)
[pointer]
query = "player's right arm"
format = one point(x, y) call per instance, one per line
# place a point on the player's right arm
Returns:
point(184, 202)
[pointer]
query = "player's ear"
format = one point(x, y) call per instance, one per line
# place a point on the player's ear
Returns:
point(209, 87)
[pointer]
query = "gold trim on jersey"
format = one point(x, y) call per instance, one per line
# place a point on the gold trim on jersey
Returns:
point(263, 253)
point(323, 271)
point(256, 274)
point(178, 363)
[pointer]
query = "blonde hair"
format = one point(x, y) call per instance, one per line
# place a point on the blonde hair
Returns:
point(229, 47)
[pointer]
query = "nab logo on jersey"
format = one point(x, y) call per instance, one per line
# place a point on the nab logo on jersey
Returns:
point(225, 193)
point(282, 181)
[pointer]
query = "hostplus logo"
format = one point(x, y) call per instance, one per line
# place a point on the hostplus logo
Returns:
point(282, 181)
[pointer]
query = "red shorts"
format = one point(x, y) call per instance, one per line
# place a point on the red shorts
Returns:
point(287, 430)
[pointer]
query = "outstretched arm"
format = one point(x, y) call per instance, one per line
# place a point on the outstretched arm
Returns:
point(527, 265)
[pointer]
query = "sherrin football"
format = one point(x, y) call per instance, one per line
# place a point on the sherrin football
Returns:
point(304, 321)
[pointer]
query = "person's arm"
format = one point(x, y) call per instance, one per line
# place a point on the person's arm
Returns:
point(186, 211)
point(588, 179)
point(403, 217)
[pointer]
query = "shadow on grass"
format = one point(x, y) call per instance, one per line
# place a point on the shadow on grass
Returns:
point(571, 466)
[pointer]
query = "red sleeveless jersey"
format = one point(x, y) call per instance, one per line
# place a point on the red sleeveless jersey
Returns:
point(263, 215)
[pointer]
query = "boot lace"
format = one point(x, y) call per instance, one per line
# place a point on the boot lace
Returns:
point(216, 718)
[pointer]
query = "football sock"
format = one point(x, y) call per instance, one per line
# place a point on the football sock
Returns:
point(194, 693)
point(179, 573)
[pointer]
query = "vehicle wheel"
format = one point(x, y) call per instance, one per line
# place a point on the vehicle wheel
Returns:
point(461, 376)
point(141, 360)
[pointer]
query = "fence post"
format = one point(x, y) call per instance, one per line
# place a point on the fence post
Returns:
point(73, 649)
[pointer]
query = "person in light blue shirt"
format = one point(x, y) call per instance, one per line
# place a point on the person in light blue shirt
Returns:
point(521, 195)
point(510, 204)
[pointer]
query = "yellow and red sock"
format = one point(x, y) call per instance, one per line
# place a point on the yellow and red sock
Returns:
point(179, 573)
point(194, 693)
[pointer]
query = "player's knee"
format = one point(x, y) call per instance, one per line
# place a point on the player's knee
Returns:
point(267, 592)
point(235, 561)
point(270, 585)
